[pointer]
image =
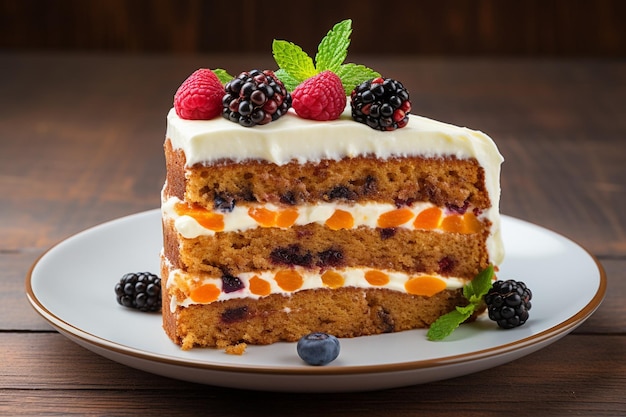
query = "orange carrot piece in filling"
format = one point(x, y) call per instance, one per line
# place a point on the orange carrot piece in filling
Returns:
point(263, 216)
point(289, 280)
point(182, 208)
point(259, 286)
point(452, 223)
point(340, 219)
point(207, 219)
point(377, 278)
point(425, 285)
point(211, 221)
point(286, 218)
point(395, 218)
point(332, 279)
point(428, 219)
point(205, 293)
point(456, 223)
point(470, 223)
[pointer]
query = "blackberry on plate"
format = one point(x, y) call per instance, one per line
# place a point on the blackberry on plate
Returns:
point(508, 303)
point(381, 103)
point(139, 290)
point(255, 98)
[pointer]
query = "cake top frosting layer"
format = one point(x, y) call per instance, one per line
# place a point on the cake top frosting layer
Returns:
point(294, 138)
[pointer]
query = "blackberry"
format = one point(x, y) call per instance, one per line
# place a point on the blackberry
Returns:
point(508, 303)
point(381, 103)
point(139, 290)
point(255, 98)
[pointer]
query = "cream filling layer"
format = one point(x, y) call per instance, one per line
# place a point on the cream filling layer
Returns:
point(242, 218)
point(195, 289)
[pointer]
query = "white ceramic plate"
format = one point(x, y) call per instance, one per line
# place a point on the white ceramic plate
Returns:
point(71, 286)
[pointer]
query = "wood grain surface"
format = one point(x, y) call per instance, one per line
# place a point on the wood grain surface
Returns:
point(567, 28)
point(81, 143)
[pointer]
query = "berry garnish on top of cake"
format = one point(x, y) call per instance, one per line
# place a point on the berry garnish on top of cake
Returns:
point(255, 98)
point(381, 103)
point(320, 97)
point(199, 97)
point(317, 87)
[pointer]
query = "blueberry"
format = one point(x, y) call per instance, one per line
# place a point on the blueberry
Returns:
point(318, 348)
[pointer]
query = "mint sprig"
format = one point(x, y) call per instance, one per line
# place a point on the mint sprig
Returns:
point(295, 65)
point(474, 291)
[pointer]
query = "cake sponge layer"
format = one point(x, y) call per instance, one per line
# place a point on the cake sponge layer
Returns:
point(316, 246)
point(441, 181)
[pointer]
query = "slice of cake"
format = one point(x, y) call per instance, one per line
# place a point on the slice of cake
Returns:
point(294, 226)
point(298, 226)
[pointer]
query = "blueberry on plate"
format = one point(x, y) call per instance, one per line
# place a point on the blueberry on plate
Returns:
point(318, 348)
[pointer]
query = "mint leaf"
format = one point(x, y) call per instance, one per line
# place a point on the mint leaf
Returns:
point(296, 66)
point(352, 75)
point(468, 309)
point(333, 48)
point(446, 324)
point(289, 82)
point(475, 290)
point(222, 75)
point(293, 60)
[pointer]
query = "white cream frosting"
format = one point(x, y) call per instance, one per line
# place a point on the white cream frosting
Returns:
point(293, 138)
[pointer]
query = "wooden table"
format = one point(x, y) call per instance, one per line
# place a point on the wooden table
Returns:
point(80, 144)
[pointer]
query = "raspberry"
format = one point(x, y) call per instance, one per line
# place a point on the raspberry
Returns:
point(141, 291)
point(321, 97)
point(199, 97)
point(381, 103)
point(255, 98)
point(508, 303)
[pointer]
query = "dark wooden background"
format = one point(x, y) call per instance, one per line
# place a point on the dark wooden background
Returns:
point(561, 28)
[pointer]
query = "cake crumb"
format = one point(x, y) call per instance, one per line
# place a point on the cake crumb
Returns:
point(238, 349)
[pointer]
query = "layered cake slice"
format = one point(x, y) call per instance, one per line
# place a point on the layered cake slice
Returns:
point(300, 226)
point(276, 225)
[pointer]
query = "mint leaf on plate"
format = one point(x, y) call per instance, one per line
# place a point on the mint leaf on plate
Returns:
point(474, 291)
point(446, 324)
